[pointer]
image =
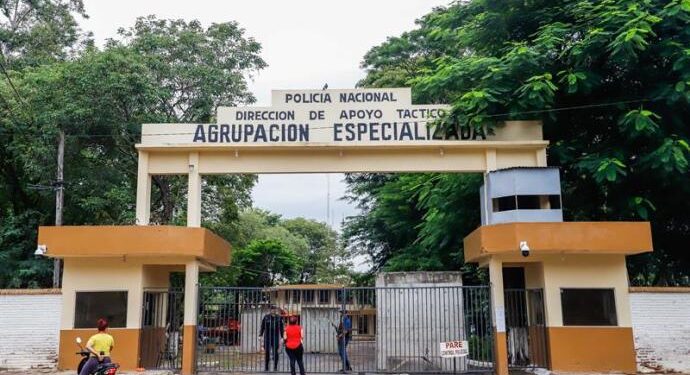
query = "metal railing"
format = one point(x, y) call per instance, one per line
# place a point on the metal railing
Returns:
point(161, 329)
point(526, 328)
point(393, 329)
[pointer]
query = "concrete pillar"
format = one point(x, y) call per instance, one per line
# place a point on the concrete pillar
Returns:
point(490, 157)
point(143, 213)
point(498, 316)
point(541, 158)
point(194, 192)
point(191, 298)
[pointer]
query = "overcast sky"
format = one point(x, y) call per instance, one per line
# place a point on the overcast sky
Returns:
point(306, 43)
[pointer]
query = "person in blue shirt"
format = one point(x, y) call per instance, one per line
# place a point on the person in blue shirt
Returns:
point(344, 335)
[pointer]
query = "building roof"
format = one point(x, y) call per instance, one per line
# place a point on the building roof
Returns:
point(525, 168)
point(134, 241)
point(595, 238)
point(306, 287)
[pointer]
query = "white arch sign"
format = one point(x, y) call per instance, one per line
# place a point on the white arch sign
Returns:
point(357, 130)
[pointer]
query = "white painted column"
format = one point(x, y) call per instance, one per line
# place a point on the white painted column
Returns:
point(498, 316)
point(143, 211)
point(191, 303)
point(490, 157)
point(541, 158)
point(191, 292)
point(497, 298)
point(194, 192)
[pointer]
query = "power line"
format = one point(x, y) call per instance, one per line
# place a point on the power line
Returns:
point(576, 107)
point(538, 111)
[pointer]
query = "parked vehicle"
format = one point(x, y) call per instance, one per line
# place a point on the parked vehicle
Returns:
point(102, 369)
point(226, 334)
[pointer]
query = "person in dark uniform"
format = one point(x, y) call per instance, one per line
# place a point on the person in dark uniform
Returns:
point(272, 329)
point(344, 335)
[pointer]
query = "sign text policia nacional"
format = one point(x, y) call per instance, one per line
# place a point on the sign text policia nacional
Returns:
point(338, 117)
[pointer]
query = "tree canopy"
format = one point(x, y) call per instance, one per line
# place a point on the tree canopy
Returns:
point(53, 79)
point(270, 250)
point(611, 82)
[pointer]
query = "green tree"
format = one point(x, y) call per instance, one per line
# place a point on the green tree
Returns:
point(33, 33)
point(413, 222)
point(611, 82)
point(325, 259)
point(322, 259)
point(99, 98)
point(96, 100)
point(265, 263)
point(197, 69)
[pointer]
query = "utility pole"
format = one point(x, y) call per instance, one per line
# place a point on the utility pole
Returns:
point(328, 199)
point(59, 199)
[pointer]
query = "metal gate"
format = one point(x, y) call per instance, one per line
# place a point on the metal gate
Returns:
point(526, 328)
point(394, 329)
point(161, 329)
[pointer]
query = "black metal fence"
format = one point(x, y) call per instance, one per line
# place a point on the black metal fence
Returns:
point(161, 329)
point(526, 328)
point(392, 329)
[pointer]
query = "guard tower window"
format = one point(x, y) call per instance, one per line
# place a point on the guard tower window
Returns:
point(555, 202)
point(526, 202)
point(588, 307)
point(504, 203)
point(91, 306)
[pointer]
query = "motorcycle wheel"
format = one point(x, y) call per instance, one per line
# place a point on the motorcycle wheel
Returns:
point(81, 364)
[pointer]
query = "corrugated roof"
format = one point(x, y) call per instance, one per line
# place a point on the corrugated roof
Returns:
point(534, 168)
point(307, 286)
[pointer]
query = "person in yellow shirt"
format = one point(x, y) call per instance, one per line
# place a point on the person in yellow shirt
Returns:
point(99, 345)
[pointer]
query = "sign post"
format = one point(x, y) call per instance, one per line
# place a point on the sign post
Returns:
point(454, 349)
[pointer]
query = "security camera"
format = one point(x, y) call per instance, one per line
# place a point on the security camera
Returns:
point(40, 250)
point(524, 248)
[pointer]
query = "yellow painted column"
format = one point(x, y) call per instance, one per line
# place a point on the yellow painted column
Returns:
point(191, 290)
point(143, 212)
point(498, 317)
point(194, 192)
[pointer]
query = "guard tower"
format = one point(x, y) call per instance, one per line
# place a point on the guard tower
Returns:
point(559, 289)
point(525, 195)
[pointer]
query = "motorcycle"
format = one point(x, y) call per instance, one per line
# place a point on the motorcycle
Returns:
point(101, 369)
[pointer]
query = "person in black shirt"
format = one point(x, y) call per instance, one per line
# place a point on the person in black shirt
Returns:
point(272, 329)
point(344, 335)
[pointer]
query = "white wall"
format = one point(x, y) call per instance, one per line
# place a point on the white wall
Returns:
point(661, 325)
point(29, 329)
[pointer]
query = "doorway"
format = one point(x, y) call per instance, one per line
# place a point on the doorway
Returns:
point(525, 321)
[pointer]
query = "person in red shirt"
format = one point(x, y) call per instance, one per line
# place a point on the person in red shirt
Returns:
point(293, 344)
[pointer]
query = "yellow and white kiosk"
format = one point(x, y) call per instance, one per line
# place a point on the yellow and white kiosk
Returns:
point(579, 266)
point(107, 269)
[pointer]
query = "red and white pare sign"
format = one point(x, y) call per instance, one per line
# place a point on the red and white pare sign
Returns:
point(452, 349)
